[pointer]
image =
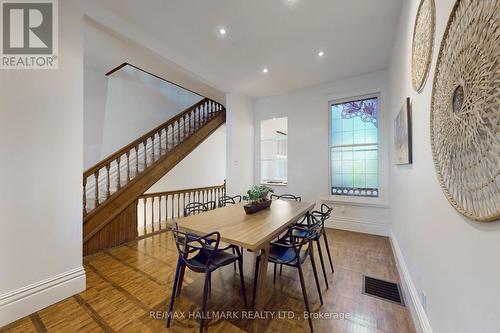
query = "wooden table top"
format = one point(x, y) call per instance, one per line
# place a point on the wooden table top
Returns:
point(249, 231)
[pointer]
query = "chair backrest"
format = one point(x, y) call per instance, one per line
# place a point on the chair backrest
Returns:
point(224, 200)
point(317, 219)
point(301, 236)
point(198, 207)
point(211, 204)
point(286, 197)
point(324, 212)
point(316, 214)
point(314, 218)
point(325, 209)
point(189, 245)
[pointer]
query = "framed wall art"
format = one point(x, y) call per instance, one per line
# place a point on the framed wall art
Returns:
point(403, 135)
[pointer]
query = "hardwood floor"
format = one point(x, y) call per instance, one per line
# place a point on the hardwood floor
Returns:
point(128, 286)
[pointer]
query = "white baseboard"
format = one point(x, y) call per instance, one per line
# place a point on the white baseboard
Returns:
point(420, 320)
point(26, 300)
point(357, 225)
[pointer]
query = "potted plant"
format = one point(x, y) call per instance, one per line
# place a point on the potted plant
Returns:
point(257, 197)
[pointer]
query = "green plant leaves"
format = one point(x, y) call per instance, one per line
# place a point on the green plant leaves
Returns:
point(259, 193)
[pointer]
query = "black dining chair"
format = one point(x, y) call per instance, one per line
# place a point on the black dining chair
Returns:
point(228, 200)
point(289, 197)
point(324, 214)
point(293, 250)
point(224, 200)
point(286, 197)
point(201, 255)
point(319, 217)
point(315, 220)
point(198, 207)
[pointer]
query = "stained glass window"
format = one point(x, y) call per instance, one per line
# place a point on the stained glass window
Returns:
point(354, 147)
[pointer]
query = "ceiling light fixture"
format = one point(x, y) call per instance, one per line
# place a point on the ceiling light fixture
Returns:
point(222, 31)
point(265, 70)
point(321, 53)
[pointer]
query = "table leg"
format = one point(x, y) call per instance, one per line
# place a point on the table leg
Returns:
point(261, 288)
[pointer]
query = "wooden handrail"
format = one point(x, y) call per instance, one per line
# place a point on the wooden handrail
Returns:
point(139, 140)
point(157, 194)
point(146, 150)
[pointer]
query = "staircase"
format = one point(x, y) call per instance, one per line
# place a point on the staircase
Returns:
point(112, 187)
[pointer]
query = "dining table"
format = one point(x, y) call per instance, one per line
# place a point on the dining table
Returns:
point(250, 231)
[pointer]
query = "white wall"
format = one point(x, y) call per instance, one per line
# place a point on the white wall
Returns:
point(240, 139)
point(134, 107)
point(120, 108)
point(453, 259)
point(204, 166)
point(41, 140)
point(308, 166)
point(95, 91)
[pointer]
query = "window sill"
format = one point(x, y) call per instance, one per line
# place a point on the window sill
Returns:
point(356, 201)
point(274, 184)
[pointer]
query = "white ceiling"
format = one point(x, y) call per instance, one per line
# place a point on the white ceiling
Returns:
point(284, 36)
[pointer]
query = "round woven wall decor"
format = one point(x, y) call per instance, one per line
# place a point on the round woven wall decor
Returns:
point(423, 43)
point(465, 114)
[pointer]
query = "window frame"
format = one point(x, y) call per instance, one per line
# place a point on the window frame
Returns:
point(261, 180)
point(380, 148)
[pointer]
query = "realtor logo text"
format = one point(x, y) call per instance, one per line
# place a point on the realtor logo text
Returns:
point(29, 38)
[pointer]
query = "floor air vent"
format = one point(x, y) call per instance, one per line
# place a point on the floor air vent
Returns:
point(385, 290)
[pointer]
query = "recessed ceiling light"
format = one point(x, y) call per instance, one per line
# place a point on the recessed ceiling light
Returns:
point(222, 31)
point(265, 70)
point(321, 53)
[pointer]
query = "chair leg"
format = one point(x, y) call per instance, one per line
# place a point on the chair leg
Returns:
point(321, 260)
point(328, 251)
point(242, 280)
point(281, 268)
point(234, 263)
point(204, 304)
point(315, 271)
point(256, 276)
point(274, 277)
point(304, 293)
point(181, 279)
point(174, 291)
